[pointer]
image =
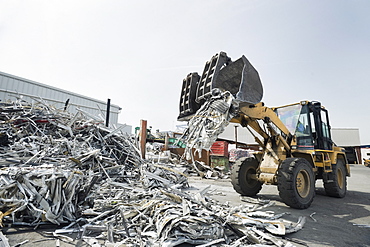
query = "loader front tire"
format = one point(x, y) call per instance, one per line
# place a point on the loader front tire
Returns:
point(243, 177)
point(337, 187)
point(296, 183)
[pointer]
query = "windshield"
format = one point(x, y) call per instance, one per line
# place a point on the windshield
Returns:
point(289, 115)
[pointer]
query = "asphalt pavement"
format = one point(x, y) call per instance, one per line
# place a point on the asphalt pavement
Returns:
point(330, 221)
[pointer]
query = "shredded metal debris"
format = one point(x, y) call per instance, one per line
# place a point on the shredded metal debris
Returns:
point(209, 122)
point(311, 216)
point(362, 225)
point(69, 170)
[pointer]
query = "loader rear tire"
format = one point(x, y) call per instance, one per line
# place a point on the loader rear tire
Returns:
point(337, 187)
point(296, 183)
point(243, 177)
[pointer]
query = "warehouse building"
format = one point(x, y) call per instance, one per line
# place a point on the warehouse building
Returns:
point(349, 139)
point(13, 87)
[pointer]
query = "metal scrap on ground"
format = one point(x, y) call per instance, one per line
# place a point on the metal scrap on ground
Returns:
point(69, 170)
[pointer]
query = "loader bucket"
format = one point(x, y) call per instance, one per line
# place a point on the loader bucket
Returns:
point(188, 105)
point(240, 78)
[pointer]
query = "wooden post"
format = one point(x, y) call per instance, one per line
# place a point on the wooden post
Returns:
point(166, 142)
point(142, 137)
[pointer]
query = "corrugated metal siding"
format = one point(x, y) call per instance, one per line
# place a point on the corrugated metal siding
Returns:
point(346, 137)
point(12, 86)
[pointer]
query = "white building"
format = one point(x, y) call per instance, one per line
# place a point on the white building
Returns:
point(349, 139)
point(12, 87)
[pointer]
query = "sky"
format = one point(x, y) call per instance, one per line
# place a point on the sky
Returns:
point(137, 53)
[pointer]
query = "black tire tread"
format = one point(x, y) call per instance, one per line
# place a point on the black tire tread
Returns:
point(332, 188)
point(286, 183)
point(236, 177)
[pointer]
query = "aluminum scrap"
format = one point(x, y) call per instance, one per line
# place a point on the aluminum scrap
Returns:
point(69, 170)
point(3, 240)
point(209, 122)
point(197, 168)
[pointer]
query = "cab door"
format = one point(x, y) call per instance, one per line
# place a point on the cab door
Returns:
point(321, 130)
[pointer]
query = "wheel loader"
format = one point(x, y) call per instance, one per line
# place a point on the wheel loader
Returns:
point(295, 139)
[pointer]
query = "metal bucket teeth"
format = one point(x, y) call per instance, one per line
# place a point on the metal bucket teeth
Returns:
point(188, 105)
point(240, 78)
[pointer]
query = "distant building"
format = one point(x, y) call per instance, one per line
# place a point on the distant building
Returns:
point(235, 133)
point(12, 87)
point(349, 139)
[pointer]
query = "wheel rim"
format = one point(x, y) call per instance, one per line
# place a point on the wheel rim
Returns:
point(340, 178)
point(303, 183)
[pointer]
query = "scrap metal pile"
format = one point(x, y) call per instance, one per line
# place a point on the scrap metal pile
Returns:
point(69, 170)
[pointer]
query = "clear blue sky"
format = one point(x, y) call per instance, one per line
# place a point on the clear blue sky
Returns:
point(137, 52)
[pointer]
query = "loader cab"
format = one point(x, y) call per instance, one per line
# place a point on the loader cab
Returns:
point(309, 122)
point(321, 132)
